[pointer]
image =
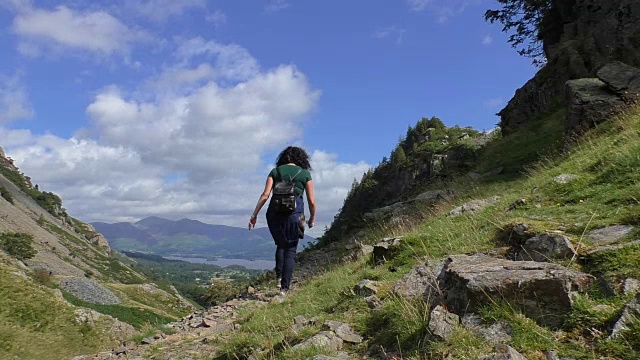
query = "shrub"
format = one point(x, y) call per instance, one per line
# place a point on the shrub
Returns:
point(6, 195)
point(42, 276)
point(18, 245)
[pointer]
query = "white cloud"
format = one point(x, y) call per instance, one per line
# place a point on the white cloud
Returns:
point(217, 18)
point(190, 142)
point(443, 10)
point(14, 101)
point(390, 32)
point(160, 10)
point(63, 28)
point(418, 5)
point(487, 40)
point(276, 5)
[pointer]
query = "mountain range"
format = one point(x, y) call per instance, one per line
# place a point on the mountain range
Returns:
point(190, 238)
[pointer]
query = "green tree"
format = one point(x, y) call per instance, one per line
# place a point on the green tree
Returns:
point(18, 245)
point(527, 21)
point(398, 157)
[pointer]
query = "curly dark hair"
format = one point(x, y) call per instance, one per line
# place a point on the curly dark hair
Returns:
point(295, 155)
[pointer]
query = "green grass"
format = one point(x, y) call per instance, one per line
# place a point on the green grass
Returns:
point(606, 162)
point(35, 324)
point(134, 316)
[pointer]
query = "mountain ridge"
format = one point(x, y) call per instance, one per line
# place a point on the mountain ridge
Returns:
point(186, 237)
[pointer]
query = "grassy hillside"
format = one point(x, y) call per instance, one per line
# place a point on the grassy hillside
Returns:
point(606, 163)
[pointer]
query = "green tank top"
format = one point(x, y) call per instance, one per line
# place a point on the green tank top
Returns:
point(288, 171)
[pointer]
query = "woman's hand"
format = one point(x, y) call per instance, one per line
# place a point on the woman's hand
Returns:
point(311, 222)
point(252, 221)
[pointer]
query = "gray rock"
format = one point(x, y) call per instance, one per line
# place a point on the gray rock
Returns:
point(498, 333)
point(89, 291)
point(590, 103)
point(543, 290)
point(432, 196)
point(630, 312)
point(343, 331)
point(373, 302)
point(564, 178)
point(385, 249)
point(630, 286)
point(609, 235)
point(361, 251)
point(148, 340)
point(366, 288)
point(623, 79)
point(545, 247)
point(504, 352)
point(420, 282)
point(601, 249)
point(473, 206)
point(442, 323)
point(325, 340)
point(341, 356)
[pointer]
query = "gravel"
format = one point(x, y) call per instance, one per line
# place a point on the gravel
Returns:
point(89, 291)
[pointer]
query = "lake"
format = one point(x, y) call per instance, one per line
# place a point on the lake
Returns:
point(223, 262)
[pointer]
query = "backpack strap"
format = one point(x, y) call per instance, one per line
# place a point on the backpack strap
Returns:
point(290, 178)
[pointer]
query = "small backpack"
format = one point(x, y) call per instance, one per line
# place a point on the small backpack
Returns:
point(283, 199)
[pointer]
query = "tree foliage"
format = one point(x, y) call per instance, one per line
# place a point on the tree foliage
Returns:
point(525, 20)
point(18, 245)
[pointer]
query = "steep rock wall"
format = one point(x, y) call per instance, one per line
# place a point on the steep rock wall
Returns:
point(587, 35)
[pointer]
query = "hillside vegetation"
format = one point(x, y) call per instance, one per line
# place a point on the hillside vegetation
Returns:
point(606, 182)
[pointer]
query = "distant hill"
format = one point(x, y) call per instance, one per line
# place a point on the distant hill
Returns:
point(188, 237)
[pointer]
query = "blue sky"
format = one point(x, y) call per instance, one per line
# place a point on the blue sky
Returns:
point(154, 107)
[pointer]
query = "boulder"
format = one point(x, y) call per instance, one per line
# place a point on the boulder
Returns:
point(385, 249)
point(432, 196)
point(473, 206)
point(343, 331)
point(590, 103)
point(504, 352)
point(365, 288)
point(543, 290)
point(498, 333)
point(622, 79)
point(607, 248)
point(609, 235)
point(630, 286)
point(420, 282)
point(630, 312)
point(545, 247)
point(442, 323)
point(325, 340)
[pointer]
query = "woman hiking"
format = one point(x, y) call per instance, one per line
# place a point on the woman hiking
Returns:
point(285, 214)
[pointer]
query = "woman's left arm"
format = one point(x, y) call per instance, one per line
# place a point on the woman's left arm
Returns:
point(263, 199)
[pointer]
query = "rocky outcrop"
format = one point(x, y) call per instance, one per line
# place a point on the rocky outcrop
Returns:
point(587, 35)
point(609, 235)
point(546, 247)
point(473, 206)
point(543, 290)
point(385, 249)
point(594, 100)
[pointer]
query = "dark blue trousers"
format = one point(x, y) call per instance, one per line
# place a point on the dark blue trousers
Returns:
point(285, 230)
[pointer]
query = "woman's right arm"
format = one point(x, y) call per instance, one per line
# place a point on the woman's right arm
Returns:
point(311, 199)
point(263, 199)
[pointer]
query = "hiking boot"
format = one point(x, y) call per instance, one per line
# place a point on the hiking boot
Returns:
point(278, 283)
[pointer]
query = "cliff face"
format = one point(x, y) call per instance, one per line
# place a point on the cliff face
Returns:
point(586, 35)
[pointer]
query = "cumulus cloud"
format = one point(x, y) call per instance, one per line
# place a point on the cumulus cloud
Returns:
point(63, 28)
point(160, 10)
point(14, 101)
point(191, 142)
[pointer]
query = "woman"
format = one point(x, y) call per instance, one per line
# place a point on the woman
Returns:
point(287, 229)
